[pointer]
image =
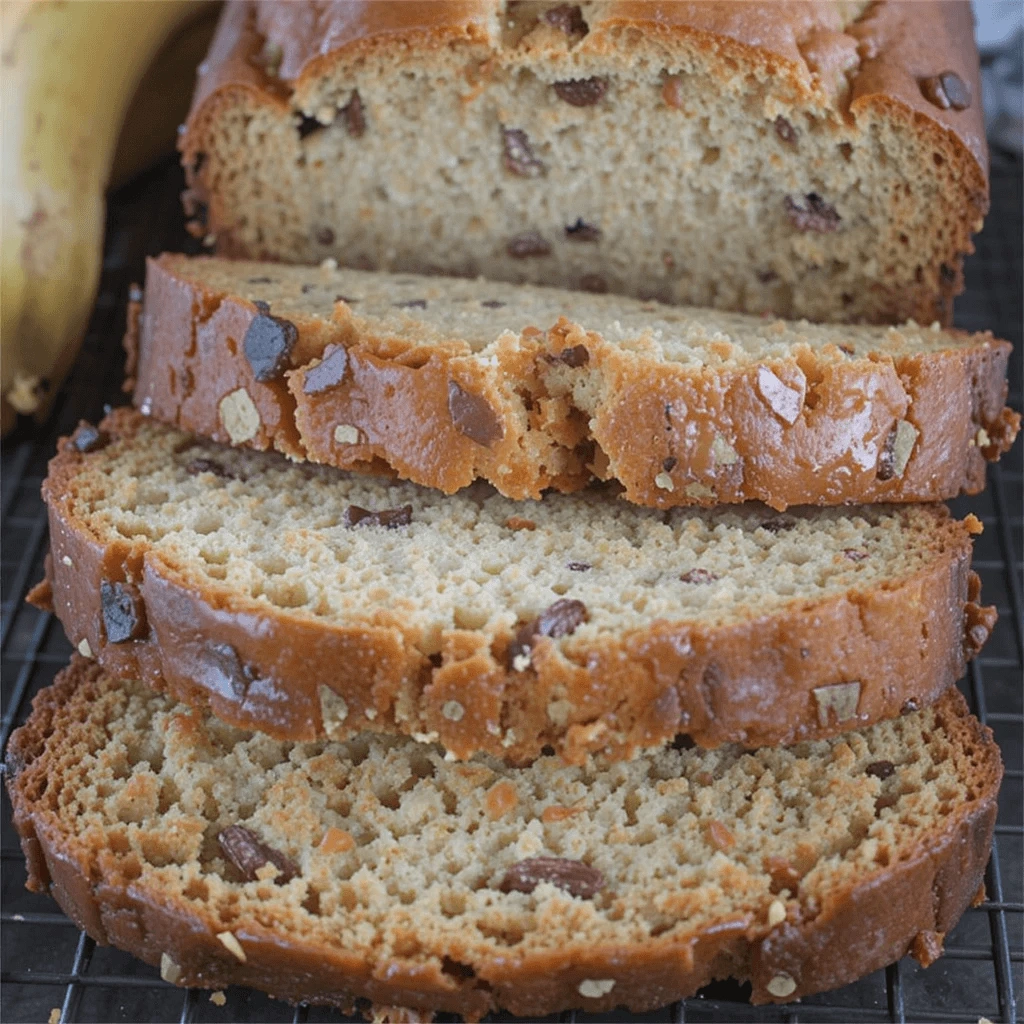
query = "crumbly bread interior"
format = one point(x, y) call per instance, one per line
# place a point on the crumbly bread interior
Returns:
point(691, 174)
point(400, 855)
point(263, 530)
point(437, 310)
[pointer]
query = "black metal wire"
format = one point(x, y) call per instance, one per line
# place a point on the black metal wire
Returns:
point(98, 984)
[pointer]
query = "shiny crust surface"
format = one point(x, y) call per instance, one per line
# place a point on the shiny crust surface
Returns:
point(750, 682)
point(900, 908)
point(189, 358)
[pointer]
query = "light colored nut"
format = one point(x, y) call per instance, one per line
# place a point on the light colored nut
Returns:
point(841, 699)
point(67, 561)
point(906, 437)
point(218, 998)
point(84, 649)
point(982, 439)
point(594, 988)
point(776, 913)
point(723, 452)
point(169, 970)
point(521, 662)
point(782, 985)
point(452, 710)
point(232, 945)
point(333, 711)
point(559, 712)
point(239, 416)
point(783, 400)
point(699, 491)
point(664, 481)
point(345, 433)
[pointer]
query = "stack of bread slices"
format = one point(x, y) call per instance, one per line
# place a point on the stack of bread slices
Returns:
point(459, 643)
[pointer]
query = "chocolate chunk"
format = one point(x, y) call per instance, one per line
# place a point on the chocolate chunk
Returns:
point(887, 458)
point(328, 372)
point(519, 155)
point(880, 769)
point(249, 853)
point(777, 524)
point(124, 617)
point(492, 304)
point(814, 215)
point(389, 518)
point(581, 231)
point(308, 126)
point(88, 438)
point(221, 670)
point(575, 357)
point(197, 466)
point(854, 554)
point(560, 619)
point(593, 283)
point(785, 130)
point(567, 18)
point(670, 463)
point(355, 120)
point(473, 416)
point(528, 243)
point(582, 92)
point(411, 304)
point(946, 90)
point(578, 566)
point(698, 575)
point(268, 343)
point(575, 877)
point(325, 236)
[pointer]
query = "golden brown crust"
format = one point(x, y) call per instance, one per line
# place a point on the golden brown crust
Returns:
point(749, 682)
point(190, 358)
point(863, 925)
point(894, 47)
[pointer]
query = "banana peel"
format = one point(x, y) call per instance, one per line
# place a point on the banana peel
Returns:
point(68, 74)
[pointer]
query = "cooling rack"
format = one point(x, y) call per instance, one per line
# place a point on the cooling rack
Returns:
point(51, 971)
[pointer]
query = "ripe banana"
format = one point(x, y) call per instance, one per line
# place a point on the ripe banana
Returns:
point(68, 72)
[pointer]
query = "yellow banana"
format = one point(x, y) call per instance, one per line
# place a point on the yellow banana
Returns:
point(68, 72)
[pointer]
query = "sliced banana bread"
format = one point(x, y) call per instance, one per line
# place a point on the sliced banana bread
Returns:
point(305, 601)
point(378, 869)
point(445, 380)
point(825, 160)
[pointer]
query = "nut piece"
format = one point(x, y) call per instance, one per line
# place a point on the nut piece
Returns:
point(268, 343)
point(453, 710)
point(84, 649)
point(519, 156)
point(664, 482)
point(169, 970)
point(333, 711)
point(520, 523)
point(560, 619)
point(723, 453)
point(781, 985)
point(249, 853)
point(345, 433)
point(672, 91)
point(814, 215)
point(946, 90)
point(841, 699)
point(218, 998)
point(336, 840)
point(880, 769)
point(124, 617)
point(575, 877)
point(594, 988)
point(328, 372)
point(355, 120)
point(783, 400)
point(500, 799)
point(88, 438)
point(567, 18)
point(473, 416)
point(582, 92)
point(389, 518)
point(897, 450)
point(776, 913)
point(232, 945)
point(785, 131)
point(719, 836)
point(239, 416)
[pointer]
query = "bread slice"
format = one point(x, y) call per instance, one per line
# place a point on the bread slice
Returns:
point(302, 601)
point(445, 381)
point(818, 160)
point(378, 869)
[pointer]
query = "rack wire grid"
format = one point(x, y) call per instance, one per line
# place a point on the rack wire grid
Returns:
point(51, 971)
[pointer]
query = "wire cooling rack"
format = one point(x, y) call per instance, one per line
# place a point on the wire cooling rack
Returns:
point(51, 971)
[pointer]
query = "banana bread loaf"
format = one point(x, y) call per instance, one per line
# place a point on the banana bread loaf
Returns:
point(377, 869)
point(824, 160)
point(303, 600)
point(446, 380)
